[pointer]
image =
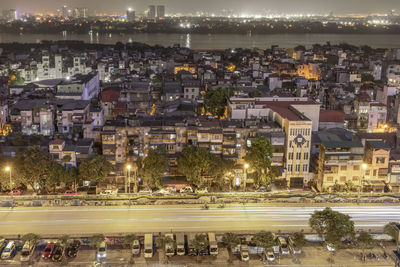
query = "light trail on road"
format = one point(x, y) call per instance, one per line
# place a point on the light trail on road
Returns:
point(77, 220)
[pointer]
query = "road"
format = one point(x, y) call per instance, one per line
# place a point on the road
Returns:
point(77, 220)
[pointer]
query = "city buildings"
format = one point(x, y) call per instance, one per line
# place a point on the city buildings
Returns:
point(330, 129)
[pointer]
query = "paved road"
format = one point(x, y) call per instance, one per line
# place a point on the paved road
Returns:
point(76, 220)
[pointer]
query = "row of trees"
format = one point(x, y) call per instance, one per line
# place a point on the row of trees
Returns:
point(201, 167)
point(36, 169)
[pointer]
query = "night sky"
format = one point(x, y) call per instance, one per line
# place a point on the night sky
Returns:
point(238, 6)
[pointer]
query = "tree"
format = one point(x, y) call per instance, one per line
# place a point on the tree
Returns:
point(332, 225)
point(200, 242)
point(366, 77)
point(63, 240)
point(154, 166)
point(365, 241)
point(215, 101)
point(230, 240)
point(30, 237)
point(255, 93)
point(264, 239)
point(18, 140)
point(70, 177)
point(391, 229)
point(95, 169)
point(128, 239)
point(95, 240)
point(258, 156)
point(36, 167)
point(299, 239)
point(196, 163)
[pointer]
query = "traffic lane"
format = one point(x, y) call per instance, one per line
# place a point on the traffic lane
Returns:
point(164, 219)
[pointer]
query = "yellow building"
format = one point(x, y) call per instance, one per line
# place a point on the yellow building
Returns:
point(309, 71)
point(377, 154)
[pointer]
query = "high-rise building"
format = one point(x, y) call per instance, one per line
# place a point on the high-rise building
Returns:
point(151, 12)
point(80, 13)
point(160, 12)
point(10, 14)
point(64, 11)
point(130, 15)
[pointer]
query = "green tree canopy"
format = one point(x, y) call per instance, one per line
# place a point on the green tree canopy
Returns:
point(215, 100)
point(95, 169)
point(30, 237)
point(391, 229)
point(95, 240)
point(230, 240)
point(264, 239)
point(299, 239)
point(196, 163)
point(200, 242)
point(258, 156)
point(332, 225)
point(154, 166)
point(365, 241)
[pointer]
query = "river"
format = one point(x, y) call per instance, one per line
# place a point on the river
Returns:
point(216, 41)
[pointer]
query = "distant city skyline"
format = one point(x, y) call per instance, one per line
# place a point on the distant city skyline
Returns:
point(250, 7)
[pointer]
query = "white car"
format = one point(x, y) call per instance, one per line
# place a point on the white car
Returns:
point(202, 191)
point(244, 253)
point(102, 251)
point(270, 256)
point(163, 192)
point(8, 251)
point(186, 189)
point(145, 192)
point(107, 192)
point(330, 247)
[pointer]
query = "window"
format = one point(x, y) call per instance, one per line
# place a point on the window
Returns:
point(290, 155)
point(355, 178)
point(297, 167)
point(356, 168)
point(374, 172)
point(367, 173)
point(306, 155)
point(343, 178)
point(343, 168)
point(305, 167)
point(289, 168)
point(329, 178)
point(380, 160)
point(298, 155)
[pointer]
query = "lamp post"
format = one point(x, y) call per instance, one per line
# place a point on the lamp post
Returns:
point(363, 167)
point(246, 166)
point(128, 167)
point(8, 169)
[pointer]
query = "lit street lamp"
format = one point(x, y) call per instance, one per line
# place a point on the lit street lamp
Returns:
point(8, 169)
point(128, 167)
point(246, 166)
point(364, 167)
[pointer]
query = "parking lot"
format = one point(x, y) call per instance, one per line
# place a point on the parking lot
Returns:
point(314, 254)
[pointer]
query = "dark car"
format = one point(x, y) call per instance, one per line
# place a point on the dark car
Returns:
point(72, 248)
point(58, 253)
point(49, 250)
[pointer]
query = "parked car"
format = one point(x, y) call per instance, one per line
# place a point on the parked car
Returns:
point(186, 189)
point(15, 192)
point(330, 247)
point(73, 248)
point(136, 247)
point(48, 250)
point(70, 193)
point(102, 251)
point(58, 253)
point(244, 253)
point(163, 192)
point(146, 192)
point(107, 192)
point(3, 244)
point(8, 251)
point(283, 245)
point(202, 191)
point(270, 256)
point(27, 250)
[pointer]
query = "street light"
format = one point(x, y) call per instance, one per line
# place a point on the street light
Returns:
point(128, 167)
point(246, 166)
point(364, 167)
point(8, 169)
